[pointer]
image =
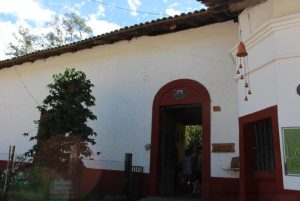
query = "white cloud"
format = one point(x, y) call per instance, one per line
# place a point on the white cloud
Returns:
point(176, 4)
point(101, 11)
point(173, 9)
point(133, 5)
point(79, 5)
point(172, 12)
point(7, 29)
point(26, 10)
point(6, 37)
point(73, 8)
point(101, 26)
point(70, 9)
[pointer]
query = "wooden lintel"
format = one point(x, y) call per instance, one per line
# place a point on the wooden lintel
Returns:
point(244, 4)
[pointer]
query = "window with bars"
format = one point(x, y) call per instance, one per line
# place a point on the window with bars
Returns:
point(265, 162)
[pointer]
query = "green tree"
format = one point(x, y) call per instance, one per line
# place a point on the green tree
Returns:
point(63, 123)
point(25, 43)
point(193, 137)
point(65, 29)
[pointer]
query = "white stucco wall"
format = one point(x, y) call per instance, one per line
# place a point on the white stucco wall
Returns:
point(254, 17)
point(274, 58)
point(288, 106)
point(127, 75)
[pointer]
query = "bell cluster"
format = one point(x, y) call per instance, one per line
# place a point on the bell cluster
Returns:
point(243, 68)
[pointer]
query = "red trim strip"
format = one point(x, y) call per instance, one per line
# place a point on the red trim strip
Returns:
point(224, 189)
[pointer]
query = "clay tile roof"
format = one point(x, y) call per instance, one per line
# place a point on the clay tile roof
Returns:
point(232, 5)
point(155, 27)
point(216, 3)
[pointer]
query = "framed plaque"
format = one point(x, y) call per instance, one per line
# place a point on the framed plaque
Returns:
point(223, 147)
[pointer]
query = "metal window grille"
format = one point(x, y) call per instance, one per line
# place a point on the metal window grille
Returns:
point(137, 169)
point(264, 146)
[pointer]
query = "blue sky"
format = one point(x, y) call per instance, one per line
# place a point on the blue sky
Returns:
point(101, 15)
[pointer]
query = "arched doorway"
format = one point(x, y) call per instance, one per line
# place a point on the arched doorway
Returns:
point(183, 93)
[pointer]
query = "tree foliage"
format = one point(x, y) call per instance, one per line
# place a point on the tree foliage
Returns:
point(193, 137)
point(64, 115)
point(65, 29)
point(25, 43)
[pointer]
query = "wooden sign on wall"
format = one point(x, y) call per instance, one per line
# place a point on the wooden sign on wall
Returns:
point(223, 147)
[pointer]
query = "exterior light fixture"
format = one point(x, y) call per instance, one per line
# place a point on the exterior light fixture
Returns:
point(298, 89)
point(147, 147)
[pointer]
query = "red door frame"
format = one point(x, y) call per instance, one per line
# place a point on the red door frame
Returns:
point(196, 94)
point(247, 165)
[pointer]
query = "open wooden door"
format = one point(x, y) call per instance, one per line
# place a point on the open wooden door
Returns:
point(168, 154)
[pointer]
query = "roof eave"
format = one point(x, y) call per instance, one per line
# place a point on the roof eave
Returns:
point(153, 28)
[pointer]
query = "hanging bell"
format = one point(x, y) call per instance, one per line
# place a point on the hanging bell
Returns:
point(249, 92)
point(242, 77)
point(238, 72)
point(246, 85)
point(241, 52)
point(246, 98)
point(241, 66)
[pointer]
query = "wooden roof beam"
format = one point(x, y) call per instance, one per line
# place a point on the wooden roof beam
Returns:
point(241, 5)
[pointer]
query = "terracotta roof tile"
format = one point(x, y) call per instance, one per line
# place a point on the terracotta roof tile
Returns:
point(155, 27)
